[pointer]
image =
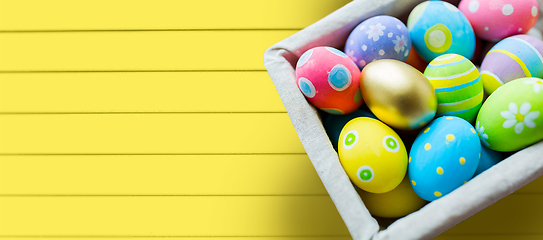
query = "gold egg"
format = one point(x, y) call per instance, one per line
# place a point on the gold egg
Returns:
point(398, 94)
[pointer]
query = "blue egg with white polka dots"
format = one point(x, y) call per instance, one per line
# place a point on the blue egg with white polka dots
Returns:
point(443, 157)
point(379, 37)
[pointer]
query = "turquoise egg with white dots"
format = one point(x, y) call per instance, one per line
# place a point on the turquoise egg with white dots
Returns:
point(329, 80)
point(437, 28)
point(443, 157)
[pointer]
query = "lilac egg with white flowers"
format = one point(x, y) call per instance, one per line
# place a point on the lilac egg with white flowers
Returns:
point(379, 37)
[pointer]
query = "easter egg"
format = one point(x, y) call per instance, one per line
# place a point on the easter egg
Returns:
point(333, 124)
point(511, 118)
point(329, 79)
point(484, 50)
point(437, 28)
point(398, 94)
point(494, 20)
point(372, 154)
point(443, 157)
point(415, 60)
point(379, 37)
point(488, 159)
point(514, 57)
point(457, 84)
point(394, 204)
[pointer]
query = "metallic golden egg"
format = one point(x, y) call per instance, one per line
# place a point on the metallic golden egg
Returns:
point(398, 94)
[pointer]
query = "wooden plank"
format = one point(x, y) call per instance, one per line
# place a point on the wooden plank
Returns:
point(148, 134)
point(163, 14)
point(26, 237)
point(517, 214)
point(126, 51)
point(159, 175)
point(534, 187)
point(519, 236)
point(170, 216)
point(139, 92)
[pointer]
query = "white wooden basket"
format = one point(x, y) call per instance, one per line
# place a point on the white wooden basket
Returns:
point(437, 216)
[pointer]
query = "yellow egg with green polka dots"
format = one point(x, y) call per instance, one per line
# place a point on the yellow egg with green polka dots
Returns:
point(372, 154)
point(443, 157)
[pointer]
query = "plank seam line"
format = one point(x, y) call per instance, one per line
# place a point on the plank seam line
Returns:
point(135, 71)
point(163, 195)
point(172, 236)
point(151, 30)
point(145, 154)
point(128, 113)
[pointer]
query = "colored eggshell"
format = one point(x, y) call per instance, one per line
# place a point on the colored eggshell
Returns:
point(333, 124)
point(415, 60)
point(398, 94)
point(484, 50)
point(457, 84)
point(494, 20)
point(329, 80)
point(394, 204)
point(444, 156)
point(488, 159)
point(379, 37)
point(511, 118)
point(437, 28)
point(372, 154)
point(514, 57)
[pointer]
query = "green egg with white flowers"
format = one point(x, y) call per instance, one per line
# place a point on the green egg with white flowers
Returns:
point(510, 119)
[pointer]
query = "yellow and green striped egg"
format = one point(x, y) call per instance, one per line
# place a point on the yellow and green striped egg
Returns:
point(457, 84)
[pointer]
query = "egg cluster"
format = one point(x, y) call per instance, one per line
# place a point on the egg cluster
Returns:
point(432, 119)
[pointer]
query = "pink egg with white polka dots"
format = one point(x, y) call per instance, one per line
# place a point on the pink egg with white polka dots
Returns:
point(494, 20)
point(330, 80)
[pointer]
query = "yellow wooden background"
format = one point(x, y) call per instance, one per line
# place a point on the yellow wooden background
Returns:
point(145, 119)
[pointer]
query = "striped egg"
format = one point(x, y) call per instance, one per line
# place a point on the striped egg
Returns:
point(457, 84)
point(514, 57)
